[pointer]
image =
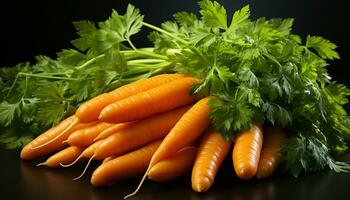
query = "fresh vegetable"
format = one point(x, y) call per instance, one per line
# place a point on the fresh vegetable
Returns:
point(85, 137)
point(246, 152)
point(126, 166)
point(159, 99)
point(31, 150)
point(64, 156)
point(115, 128)
point(108, 159)
point(140, 133)
point(212, 151)
point(175, 166)
point(271, 151)
point(186, 130)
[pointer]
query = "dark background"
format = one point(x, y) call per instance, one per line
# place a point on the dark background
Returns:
point(30, 28)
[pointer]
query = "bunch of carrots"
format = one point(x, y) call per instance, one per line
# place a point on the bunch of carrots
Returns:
point(155, 127)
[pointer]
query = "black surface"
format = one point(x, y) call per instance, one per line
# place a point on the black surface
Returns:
point(22, 180)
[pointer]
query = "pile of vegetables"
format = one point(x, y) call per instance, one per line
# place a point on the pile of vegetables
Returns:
point(205, 85)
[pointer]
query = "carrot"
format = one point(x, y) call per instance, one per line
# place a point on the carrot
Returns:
point(115, 128)
point(211, 153)
point(270, 153)
point(31, 150)
point(64, 156)
point(186, 130)
point(90, 110)
point(175, 166)
point(108, 159)
point(140, 133)
point(159, 99)
point(127, 166)
point(246, 152)
point(85, 137)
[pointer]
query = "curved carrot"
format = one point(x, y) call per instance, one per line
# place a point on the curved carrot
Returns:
point(30, 151)
point(187, 129)
point(90, 110)
point(246, 152)
point(64, 156)
point(140, 133)
point(85, 137)
point(270, 153)
point(175, 166)
point(156, 100)
point(211, 153)
point(111, 130)
point(127, 166)
point(108, 159)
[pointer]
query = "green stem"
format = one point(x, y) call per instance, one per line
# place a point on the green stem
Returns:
point(13, 85)
point(90, 61)
point(131, 44)
point(146, 53)
point(144, 61)
point(48, 77)
point(165, 32)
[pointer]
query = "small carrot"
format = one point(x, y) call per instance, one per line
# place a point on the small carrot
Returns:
point(270, 153)
point(175, 166)
point(127, 166)
point(140, 133)
point(111, 130)
point(246, 152)
point(156, 100)
point(187, 129)
point(85, 137)
point(64, 156)
point(31, 150)
point(212, 151)
point(108, 159)
point(90, 110)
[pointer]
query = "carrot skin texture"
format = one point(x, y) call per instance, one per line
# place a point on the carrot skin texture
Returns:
point(90, 151)
point(90, 110)
point(108, 159)
point(156, 100)
point(111, 130)
point(126, 166)
point(140, 133)
point(175, 166)
point(85, 137)
point(64, 156)
point(28, 153)
point(246, 152)
point(212, 151)
point(186, 130)
point(270, 153)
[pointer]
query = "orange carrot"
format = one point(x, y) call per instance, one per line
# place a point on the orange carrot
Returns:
point(30, 151)
point(85, 137)
point(127, 166)
point(270, 153)
point(64, 156)
point(140, 133)
point(108, 159)
point(246, 152)
point(90, 110)
point(175, 166)
point(187, 129)
point(159, 99)
point(211, 153)
point(111, 130)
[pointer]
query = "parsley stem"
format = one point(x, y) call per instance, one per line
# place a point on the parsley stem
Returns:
point(90, 61)
point(13, 85)
point(144, 61)
point(164, 31)
point(48, 77)
point(146, 53)
point(131, 44)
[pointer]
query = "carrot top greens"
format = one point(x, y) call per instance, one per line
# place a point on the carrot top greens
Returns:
point(259, 70)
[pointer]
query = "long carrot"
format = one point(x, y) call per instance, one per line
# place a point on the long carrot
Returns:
point(111, 130)
point(270, 153)
point(187, 129)
point(30, 151)
point(211, 153)
point(246, 152)
point(175, 166)
point(108, 159)
point(156, 100)
point(85, 137)
point(90, 110)
point(64, 156)
point(140, 133)
point(127, 166)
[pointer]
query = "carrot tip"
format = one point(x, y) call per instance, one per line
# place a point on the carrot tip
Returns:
point(65, 141)
point(86, 167)
point(41, 164)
